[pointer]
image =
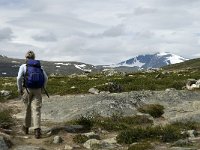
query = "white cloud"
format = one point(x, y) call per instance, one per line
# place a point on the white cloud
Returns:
point(99, 31)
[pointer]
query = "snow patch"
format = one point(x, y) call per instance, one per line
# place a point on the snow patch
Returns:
point(15, 62)
point(64, 64)
point(82, 67)
point(57, 66)
point(175, 59)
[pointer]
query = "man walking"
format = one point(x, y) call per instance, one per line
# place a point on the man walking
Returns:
point(30, 81)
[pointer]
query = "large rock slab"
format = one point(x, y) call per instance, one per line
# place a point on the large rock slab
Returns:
point(63, 108)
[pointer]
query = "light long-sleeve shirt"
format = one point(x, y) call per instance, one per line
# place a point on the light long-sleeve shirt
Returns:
point(21, 73)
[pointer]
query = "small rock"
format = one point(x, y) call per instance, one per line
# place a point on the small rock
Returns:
point(104, 92)
point(181, 142)
point(93, 91)
point(68, 147)
point(182, 148)
point(192, 133)
point(88, 144)
point(110, 143)
point(73, 87)
point(57, 140)
point(76, 147)
point(28, 147)
point(92, 135)
point(5, 93)
point(170, 89)
point(110, 140)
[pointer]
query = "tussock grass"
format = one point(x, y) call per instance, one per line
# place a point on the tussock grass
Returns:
point(155, 110)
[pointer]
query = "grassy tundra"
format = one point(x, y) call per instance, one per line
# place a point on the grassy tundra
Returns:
point(64, 85)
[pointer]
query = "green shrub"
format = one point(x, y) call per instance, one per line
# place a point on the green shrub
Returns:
point(80, 138)
point(155, 110)
point(86, 121)
point(168, 133)
point(187, 125)
point(5, 119)
point(117, 122)
point(171, 133)
point(136, 120)
point(141, 146)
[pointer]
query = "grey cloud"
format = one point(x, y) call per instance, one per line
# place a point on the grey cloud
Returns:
point(143, 10)
point(114, 31)
point(45, 37)
point(6, 34)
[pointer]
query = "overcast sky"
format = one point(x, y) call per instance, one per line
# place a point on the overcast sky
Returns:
point(99, 31)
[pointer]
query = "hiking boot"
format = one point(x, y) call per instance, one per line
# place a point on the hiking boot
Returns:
point(37, 133)
point(25, 129)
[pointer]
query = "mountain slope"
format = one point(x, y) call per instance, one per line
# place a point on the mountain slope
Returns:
point(9, 67)
point(189, 64)
point(151, 61)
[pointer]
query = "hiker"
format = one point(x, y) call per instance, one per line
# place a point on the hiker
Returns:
point(31, 80)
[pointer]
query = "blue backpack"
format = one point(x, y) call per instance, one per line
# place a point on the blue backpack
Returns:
point(34, 77)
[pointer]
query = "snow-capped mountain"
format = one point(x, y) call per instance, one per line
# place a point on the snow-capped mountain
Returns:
point(156, 60)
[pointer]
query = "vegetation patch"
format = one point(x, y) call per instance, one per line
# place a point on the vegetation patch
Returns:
point(5, 119)
point(167, 133)
point(113, 123)
point(80, 138)
point(155, 110)
point(141, 146)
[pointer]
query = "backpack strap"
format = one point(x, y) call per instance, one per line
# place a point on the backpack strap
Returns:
point(25, 78)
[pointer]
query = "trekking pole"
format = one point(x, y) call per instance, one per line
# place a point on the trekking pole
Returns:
point(46, 92)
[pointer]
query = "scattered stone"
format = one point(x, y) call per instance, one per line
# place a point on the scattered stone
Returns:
point(92, 135)
point(170, 89)
point(104, 92)
point(110, 140)
point(93, 91)
point(182, 148)
point(181, 143)
point(28, 147)
point(5, 93)
point(110, 143)
point(57, 140)
point(68, 147)
point(73, 87)
point(3, 144)
point(90, 143)
point(76, 147)
point(192, 133)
